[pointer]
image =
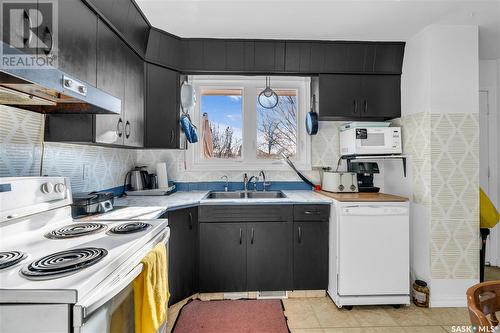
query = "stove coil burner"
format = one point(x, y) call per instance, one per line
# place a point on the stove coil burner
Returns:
point(63, 263)
point(10, 258)
point(75, 230)
point(129, 228)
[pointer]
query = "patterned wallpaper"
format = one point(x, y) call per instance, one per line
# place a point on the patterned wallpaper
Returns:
point(455, 195)
point(21, 146)
point(444, 149)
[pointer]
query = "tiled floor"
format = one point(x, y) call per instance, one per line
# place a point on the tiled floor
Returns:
point(320, 315)
point(315, 315)
point(491, 273)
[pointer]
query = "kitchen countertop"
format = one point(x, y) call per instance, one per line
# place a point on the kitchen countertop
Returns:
point(152, 207)
point(363, 197)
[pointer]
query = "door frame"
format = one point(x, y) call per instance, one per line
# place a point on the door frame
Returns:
point(493, 242)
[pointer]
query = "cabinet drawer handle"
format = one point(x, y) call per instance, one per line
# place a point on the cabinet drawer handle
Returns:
point(312, 212)
point(366, 106)
point(241, 235)
point(253, 234)
point(119, 127)
point(300, 235)
point(190, 221)
point(355, 106)
point(127, 129)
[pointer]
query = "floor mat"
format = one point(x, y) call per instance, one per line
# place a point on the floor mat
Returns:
point(228, 316)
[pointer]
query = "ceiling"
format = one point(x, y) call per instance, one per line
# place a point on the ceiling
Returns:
point(332, 20)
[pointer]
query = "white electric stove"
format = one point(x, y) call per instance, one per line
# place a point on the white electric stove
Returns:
point(58, 275)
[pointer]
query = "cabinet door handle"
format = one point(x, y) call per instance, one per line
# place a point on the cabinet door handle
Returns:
point(253, 234)
point(355, 106)
point(47, 30)
point(119, 127)
point(300, 235)
point(127, 129)
point(312, 212)
point(172, 136)
point(190, 221)
point(27, 18)
point(241, 235)
point(366, 106)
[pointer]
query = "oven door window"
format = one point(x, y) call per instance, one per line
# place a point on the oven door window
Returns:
point(114, 316)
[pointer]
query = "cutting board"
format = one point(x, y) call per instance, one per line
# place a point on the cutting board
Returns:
point(363, 197)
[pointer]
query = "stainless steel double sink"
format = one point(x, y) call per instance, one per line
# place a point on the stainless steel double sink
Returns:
point(245, 195)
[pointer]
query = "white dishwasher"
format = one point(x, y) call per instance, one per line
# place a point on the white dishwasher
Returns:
point(369, 253)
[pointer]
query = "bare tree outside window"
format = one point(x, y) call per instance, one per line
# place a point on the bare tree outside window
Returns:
point(224, 110)
point(226, 144)
point(277, 127)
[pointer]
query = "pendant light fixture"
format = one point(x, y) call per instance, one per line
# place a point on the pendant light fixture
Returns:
point(268, 98)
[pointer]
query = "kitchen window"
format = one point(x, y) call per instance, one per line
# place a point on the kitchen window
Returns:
point(236, 133)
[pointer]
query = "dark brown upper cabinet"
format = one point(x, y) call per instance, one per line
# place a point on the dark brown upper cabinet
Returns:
point(269, 56)
point(161, 126)
point(127, 19)
point(214, 55)
point(192, 55)
point(298, 57)
point(77, 56)
point(164, 49)
point(240, 55)
point(354, 97)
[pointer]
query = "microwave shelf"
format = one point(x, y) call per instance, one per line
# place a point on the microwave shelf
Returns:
point(403, 158)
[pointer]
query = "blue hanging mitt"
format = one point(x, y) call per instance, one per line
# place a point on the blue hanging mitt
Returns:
point(188, 128)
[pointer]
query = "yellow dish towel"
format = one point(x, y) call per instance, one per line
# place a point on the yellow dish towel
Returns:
point(488, 214)
point(151, 292)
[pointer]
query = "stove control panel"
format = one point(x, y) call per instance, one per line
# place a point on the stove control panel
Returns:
point(29, 195)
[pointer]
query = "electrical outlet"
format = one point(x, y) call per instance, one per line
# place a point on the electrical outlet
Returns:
point(85, 171)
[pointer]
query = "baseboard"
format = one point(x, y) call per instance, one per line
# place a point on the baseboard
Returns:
point(450, 292)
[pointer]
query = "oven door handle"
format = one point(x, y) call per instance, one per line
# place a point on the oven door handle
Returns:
point(86, 307)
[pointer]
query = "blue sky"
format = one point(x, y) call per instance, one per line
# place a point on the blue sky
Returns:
point(223, 109)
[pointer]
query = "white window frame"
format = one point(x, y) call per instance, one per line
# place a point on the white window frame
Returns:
point(249, 160)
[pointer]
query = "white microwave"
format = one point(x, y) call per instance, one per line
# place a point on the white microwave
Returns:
point(370, 141)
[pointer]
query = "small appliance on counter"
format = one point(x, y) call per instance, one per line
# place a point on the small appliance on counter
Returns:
point(140, 179)
point(91, 203)
point(144, 183)
point(370, 141)
point(339, 182)
point(364, 172)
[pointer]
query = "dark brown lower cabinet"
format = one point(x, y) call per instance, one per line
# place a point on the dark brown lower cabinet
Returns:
point(222, 257)
point(183, 254)
point(310, 255)
point(269, 256)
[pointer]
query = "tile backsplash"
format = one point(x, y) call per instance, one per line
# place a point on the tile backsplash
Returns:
point(89, 168)
point(93, 168)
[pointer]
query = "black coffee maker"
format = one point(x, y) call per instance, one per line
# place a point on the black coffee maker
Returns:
point(365, 171)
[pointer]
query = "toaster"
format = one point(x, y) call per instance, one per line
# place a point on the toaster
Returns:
point(341, 182)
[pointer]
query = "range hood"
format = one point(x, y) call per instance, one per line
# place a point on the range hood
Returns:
point(50, 90)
